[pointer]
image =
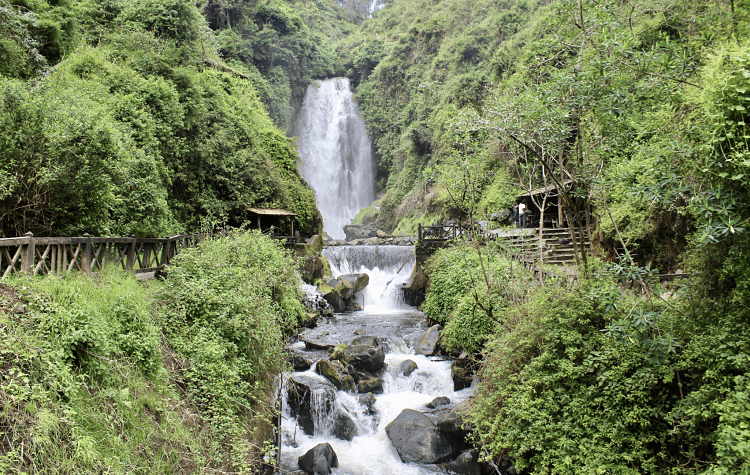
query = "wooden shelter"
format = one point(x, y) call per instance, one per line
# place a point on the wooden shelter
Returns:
point(553, 211)
point(276, 214)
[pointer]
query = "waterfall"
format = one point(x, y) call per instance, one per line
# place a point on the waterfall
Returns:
point(387, 266)
point(335, 156)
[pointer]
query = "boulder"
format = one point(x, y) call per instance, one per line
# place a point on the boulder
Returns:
point(418, 440)
point(438, 401)
point(342, 425)
point(359, 231)
point(467, 464)
point(373, 241)
point(364, 357)
point(315, 243)
point(318, 343)
point(367, 340)
point(300, 363)
point(407, 367)
point(300, 398)
point(368, 400)
point(356, 282)
point(427, 343)
point(315, 267)
point(332, 297)
point(319, 460)
point(310, 321)
point(337, 373)
point(369, 384)
point(382, 234)
point(453, 422)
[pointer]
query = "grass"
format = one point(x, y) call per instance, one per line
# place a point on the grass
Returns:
point(88, 385)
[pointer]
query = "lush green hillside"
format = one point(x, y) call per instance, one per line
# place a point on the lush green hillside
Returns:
point(109, 375)
point(121, 118)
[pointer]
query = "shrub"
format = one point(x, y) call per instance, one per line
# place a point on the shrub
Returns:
point(229, 302)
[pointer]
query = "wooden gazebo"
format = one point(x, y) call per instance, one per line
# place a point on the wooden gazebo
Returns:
point(276, 213)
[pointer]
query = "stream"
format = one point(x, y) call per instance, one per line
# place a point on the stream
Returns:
point(396, 326)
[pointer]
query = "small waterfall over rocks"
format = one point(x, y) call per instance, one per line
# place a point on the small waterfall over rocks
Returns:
point(388, 267)
point(335, 153)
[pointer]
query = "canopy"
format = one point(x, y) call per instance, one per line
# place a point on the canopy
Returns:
point(545, 189)
point(271, 212)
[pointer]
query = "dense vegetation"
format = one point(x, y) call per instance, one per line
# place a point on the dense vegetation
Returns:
point(644, 106)
point(120, 118)
point(108, 374)
point(148, 117)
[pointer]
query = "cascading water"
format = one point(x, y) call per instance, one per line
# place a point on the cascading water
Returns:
point(396, 326)
point(335, 153)
point(388, 267)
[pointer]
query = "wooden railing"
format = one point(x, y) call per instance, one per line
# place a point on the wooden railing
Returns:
point(58, 255)
point(438, 232)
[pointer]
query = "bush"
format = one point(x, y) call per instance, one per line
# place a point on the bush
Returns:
point(229, 303)
point(458, 296)
point(84, 387)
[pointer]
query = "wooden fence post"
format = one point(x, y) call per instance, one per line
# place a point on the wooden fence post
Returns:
point(86, 255)
point(130, 260)
point(165, 252)
point(27, 256)
point(419, 232)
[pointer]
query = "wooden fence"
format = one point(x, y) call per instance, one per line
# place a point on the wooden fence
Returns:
point(439, 232)
point(86, 254)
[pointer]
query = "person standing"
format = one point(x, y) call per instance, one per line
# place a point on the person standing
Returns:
point(515, 215)
point(522, 214)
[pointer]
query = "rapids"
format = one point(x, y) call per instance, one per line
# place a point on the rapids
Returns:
point(397, 326)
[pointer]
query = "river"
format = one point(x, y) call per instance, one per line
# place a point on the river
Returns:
point(396, 325)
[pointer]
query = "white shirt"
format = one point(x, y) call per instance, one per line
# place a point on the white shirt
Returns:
point(521, 208)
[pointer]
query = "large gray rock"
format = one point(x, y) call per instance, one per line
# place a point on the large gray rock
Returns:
point(359, 231)
point(365, 358)
point(438, 402)
point(468, 464)
point(319, 460)
point(407, 367)
point(367, 340)
point(418, 440)
point(319, 342)
point(367, 383)
point(427, 343)
point(301, 390)
point(343, 426)
point(454, 422)
point(300, 363)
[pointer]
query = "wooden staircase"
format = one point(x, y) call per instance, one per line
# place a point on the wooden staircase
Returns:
point(558, 245)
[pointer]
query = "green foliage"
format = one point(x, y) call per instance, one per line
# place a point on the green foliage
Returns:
point(130, 137)
point(458, 294)
point(229, 302)
point(85, 388)
point(416, 65)
point(97, 377)
point(273, 38)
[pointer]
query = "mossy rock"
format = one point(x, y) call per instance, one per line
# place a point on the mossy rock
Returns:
point(336, 373)
point(326, 267)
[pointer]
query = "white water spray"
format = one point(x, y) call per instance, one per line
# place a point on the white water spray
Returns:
point(335, 153)
point(387, 266)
